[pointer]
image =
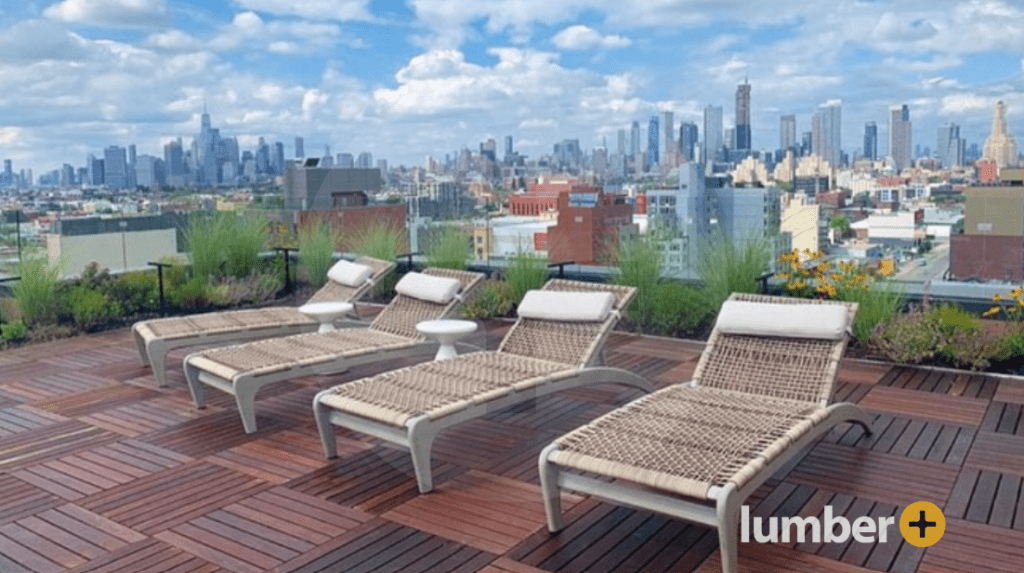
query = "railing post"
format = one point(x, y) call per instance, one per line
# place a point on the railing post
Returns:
point(561, 267)
point(160, 282)
point(288, 286)
point(408, 258)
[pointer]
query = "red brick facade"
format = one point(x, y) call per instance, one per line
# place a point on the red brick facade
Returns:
point(588, 235)
point(985, 257)
point(351, 222)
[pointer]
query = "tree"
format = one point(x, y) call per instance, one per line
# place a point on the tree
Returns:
point(840, 223)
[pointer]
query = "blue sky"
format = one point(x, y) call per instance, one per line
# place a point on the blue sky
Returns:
point(407, 79)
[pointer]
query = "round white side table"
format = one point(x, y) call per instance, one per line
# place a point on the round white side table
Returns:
point(446, 333)
point(326, 313)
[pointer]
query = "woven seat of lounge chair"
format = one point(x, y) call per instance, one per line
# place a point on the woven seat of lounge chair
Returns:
point(155, 338)
point(698, 449)
point(411, 405)
point(436, 389)
point(243, 369)
point(277, 354)
point(687, 440)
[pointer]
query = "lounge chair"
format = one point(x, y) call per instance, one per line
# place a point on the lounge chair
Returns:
point(555, 344)
point(696, 451)
point(243, 369)
point(155, 338)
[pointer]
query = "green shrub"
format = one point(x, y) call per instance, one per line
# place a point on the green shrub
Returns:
point(225, 243)
point(176, 274)
point(907, 338)
point(679, 310)
point(448, 248)
point(877, 304)
point(526, 271)
point(137, 291)
point(13, 331)
point(90, 307)
point(193, 295)
point(725, 267)
point(640, 265)
point(206, 239)
point(247, 238)
point(316, 252)
point(492, 299)
point(37, 291)
point(379, 240)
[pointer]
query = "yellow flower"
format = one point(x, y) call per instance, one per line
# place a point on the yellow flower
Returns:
point(886, 267)
point(997, 297)
point(991, 311)
point(1017, 293)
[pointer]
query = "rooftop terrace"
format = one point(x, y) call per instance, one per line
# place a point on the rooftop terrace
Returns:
point(102, 471)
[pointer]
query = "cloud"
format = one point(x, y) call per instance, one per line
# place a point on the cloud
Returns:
point(340, 10)
point(581, 37)
point(958, 104)
point(35, 40)
point(116, 13)
point(247, 30)
point(538, 123)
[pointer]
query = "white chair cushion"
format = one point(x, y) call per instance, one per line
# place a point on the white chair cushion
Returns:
point(824, 321)
point(428, 288)
point(349, 274)
point(566, 305)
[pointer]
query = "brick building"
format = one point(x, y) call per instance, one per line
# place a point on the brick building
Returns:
point(992, 244)
point(543, 196)
point(590, 223)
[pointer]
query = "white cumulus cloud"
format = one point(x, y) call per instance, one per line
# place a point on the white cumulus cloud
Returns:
point(581, 37)
point(340, 10)
point(117, 13)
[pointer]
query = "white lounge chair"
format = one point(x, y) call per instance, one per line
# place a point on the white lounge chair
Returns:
point(243, 369)
point(155, 338)
point(554, 345)
point(696, 451)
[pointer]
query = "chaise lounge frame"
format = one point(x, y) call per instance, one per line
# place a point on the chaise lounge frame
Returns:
point(570, 356)
point(392, 335)
point(156, 338)
point(719, 504)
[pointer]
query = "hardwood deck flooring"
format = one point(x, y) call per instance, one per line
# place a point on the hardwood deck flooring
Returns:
point(101, 471)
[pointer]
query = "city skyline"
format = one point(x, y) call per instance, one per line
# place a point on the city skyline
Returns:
point(427, 77)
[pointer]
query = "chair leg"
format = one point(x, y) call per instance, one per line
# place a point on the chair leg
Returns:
point(245, 397)
point(421, 440)
point(322, 415)
point(728, 510)
point(195, 387)
point(158, 362)
point(140, 344)
point(549, 490)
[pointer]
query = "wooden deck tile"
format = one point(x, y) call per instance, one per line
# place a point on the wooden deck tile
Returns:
point(877, 476)
point(1010, 391)
point(485, 511)
point(1004, 418)
point(20, 498)
point(93, 357)
point(997, 452)
point(60, 538)
point(148, 556)
point(91, 471)
point(667, 348)
point(21, 418)
point(282, 456)
point(772, 558)
point(58, 384)
point(162, 500)
point(96, 400)
point(211, 434)
point(857, 372)
point(139, 418)
point(49, 442)
point(374, 480)
point(506, 565)
point(926, 405)
point(973, 547)
point(383, 547)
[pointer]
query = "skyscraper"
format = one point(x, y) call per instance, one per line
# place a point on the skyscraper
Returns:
point(508, 148)
point(787, 132)
point(712, 133)
point(949, 148)
point(900, 135)
point(668, 136)
point(743, 116)
point(300, 148)
point(871, 140)
point(634, 141)
point(826, 133)
point(365, 160)
point(115, 167)
point(1000, 146)
point(622, 142)
point(652, 143)
point(687, 140)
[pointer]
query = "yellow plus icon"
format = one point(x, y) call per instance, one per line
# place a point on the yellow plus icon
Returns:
point(922, 524)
